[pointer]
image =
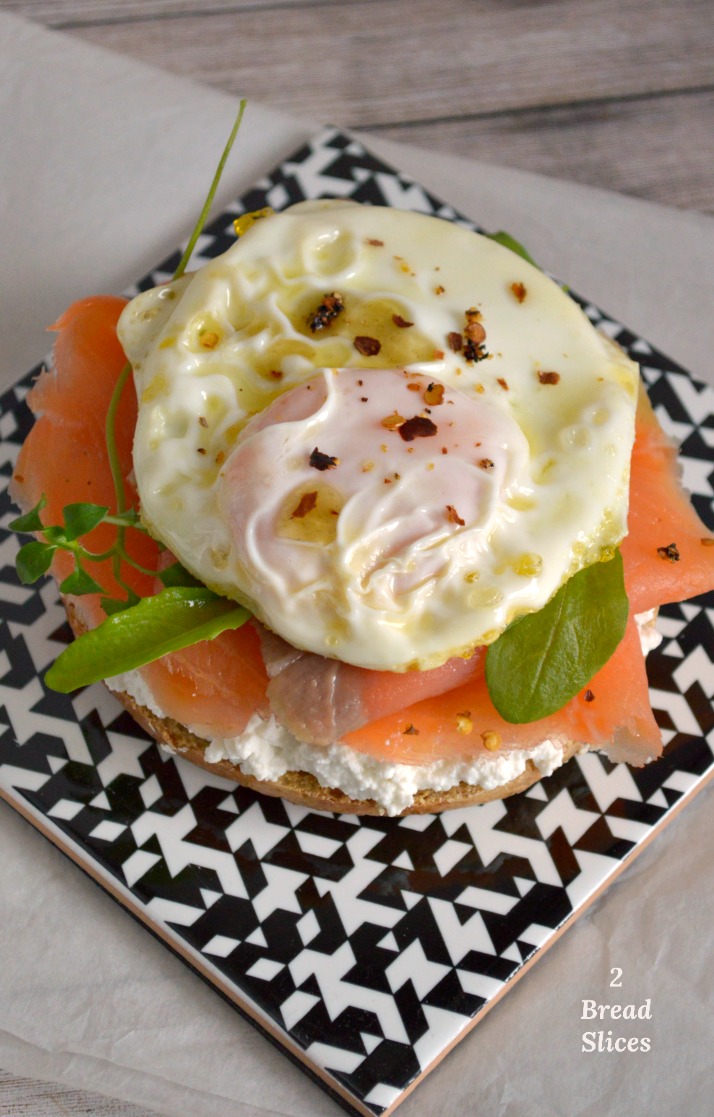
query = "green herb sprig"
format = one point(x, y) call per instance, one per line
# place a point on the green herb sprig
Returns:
point(136, 630)
point(34, 559)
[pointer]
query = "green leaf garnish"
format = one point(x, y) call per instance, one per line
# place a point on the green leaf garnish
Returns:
point(508, 241)
point(136, 631)
point(112, 605)
point(544, 659)
point(173, 619)
point(33, 560)
point(79, 582)
point(80, 519)
point(211, 193)
point(177, 575)
point(30, 521)
point(54, 534)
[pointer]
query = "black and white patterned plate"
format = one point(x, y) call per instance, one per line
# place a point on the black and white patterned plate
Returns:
point(366, 947)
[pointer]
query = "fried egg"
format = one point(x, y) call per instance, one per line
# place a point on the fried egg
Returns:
point(386, 435)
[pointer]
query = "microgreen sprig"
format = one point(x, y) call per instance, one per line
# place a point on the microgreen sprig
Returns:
point(111, 648)
point(35, 558)
point(119, 553)
point(78, 520)
point(202, 217)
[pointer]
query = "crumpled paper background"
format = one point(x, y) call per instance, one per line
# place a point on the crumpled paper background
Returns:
point(114, 158)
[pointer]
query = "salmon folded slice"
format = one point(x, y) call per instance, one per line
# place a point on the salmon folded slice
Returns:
point(320, 700)
point(216, 687)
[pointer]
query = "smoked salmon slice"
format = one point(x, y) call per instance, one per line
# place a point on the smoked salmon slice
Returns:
point(215, 687)
point(65, 457)
point(612, 713)
point(668, 553)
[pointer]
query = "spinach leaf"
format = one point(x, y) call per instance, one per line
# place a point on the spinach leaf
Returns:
point(170, 620)
point(507, 241)
point(544, 659)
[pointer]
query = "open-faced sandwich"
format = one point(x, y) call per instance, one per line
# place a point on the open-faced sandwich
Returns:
point(384, 526)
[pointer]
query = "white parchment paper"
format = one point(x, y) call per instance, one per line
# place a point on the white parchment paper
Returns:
point(114, 160)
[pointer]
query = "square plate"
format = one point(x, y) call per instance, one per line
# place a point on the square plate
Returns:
point(365, 946)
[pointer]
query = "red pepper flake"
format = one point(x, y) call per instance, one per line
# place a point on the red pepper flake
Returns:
point(439, 290)
point(367, 346)
point(327, 311)
point(202, 450)
point(503, 383)
point(549, 377)
point(411, 731)
point(437, 355)
point(670, 552)
point(321, 461)
point(589, 696)
point(220, 457)
point(434, 394)
point(453, 516)
point(518, 291)
point(455, 341)
point(401, 322)
point(275, 374)
point(486, 464)
point(364, 399)
point(417, 427)
point(374, 242)
point(444, 450)
point(306, 504)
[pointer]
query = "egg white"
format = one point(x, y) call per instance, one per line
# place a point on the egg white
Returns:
point(426, 552)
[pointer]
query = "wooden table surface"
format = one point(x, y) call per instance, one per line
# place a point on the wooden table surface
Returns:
point(618, 94)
